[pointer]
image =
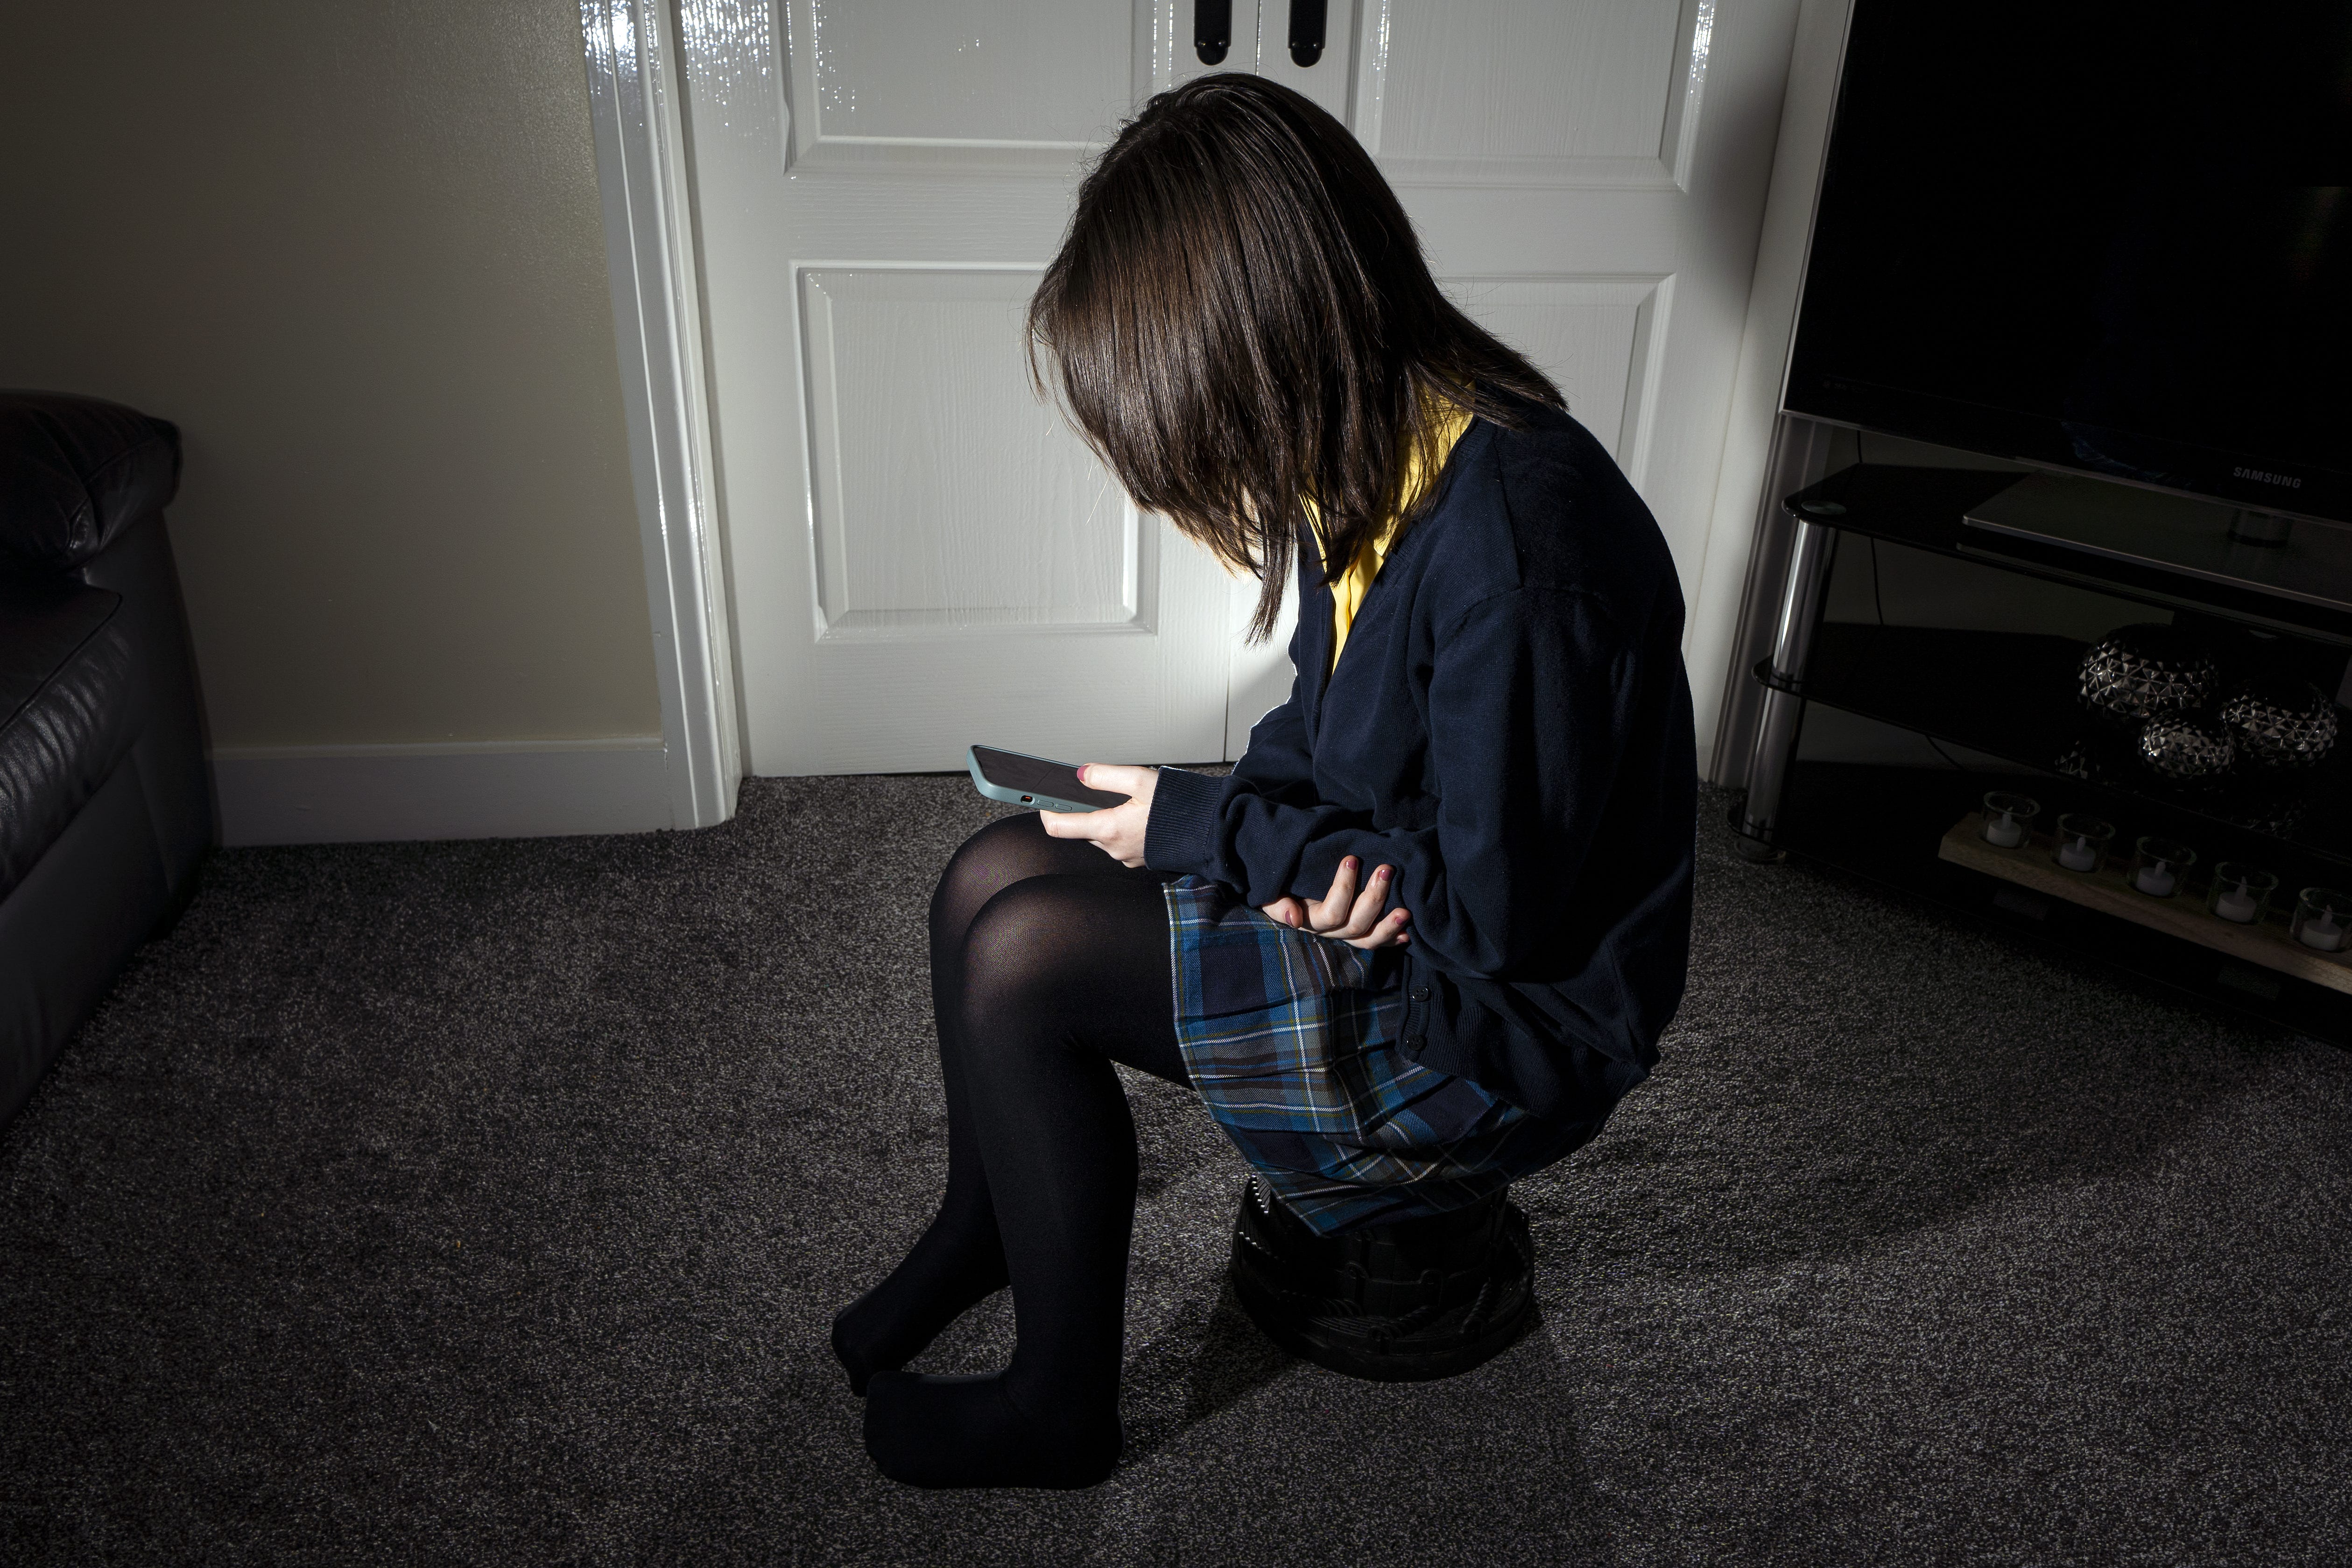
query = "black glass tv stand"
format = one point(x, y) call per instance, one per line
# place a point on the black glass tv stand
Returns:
point(2009, 697)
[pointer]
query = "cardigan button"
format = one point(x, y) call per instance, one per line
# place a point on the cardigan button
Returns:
point(1412, 1042)
point(1421, 993)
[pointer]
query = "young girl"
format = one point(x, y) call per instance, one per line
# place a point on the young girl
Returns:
point(1428, 931)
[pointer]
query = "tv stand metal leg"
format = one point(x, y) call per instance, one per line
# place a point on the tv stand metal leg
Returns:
point(1776, 731)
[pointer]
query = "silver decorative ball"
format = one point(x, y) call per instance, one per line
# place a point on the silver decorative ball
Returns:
point(2281, 723)
point(2142, 672)
point(2182, 748)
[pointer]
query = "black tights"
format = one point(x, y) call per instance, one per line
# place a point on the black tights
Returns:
point(1049, 962)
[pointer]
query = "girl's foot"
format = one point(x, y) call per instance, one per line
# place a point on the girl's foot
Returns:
point(967, 1432)
point(944, 1277)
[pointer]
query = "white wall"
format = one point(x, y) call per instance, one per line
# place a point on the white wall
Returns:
point(356, 252)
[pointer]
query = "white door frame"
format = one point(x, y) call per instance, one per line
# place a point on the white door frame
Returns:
point(1743, 568)
point(633, 103)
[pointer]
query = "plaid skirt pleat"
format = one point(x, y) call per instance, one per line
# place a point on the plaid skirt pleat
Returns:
point(1292, 1041)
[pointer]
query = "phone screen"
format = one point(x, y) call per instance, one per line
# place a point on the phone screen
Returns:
point(1035, 776)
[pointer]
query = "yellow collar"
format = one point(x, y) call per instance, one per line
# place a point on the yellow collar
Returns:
point(1349, 588)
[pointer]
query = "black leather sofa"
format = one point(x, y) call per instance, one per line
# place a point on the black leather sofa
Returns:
point(105, 810)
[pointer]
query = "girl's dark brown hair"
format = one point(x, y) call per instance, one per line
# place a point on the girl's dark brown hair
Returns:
point(1241, 323)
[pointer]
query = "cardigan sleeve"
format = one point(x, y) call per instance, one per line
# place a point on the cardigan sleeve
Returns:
point(1530, 696)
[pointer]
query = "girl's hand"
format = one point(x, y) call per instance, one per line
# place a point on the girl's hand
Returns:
point(1116, 831)
point(1347, 915)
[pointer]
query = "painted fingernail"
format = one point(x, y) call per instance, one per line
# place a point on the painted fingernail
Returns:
point(1382, 871)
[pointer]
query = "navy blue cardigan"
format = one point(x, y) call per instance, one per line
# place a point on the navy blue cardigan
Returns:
point(1510, 728)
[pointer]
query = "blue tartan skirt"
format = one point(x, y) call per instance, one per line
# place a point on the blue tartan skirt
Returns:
point(1291, 1040)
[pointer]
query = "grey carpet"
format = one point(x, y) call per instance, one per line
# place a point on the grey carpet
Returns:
point(486, 1202)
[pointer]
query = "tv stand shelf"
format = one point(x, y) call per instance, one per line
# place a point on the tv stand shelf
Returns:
point(1886, 826)
point(2009, 696)
point(1926, 509)
point(2030, 864)
point(2005, 694)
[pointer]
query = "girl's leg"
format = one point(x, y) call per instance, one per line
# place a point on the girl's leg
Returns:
point(1061, 977)
point(959, 1261)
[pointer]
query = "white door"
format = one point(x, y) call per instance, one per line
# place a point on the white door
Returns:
point(919, 555)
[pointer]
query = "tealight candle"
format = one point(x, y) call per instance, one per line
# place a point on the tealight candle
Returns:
point(2082, 842)
point(2240, 892)
point(2321, 917)
point(2009, 819)
point(2162, 865)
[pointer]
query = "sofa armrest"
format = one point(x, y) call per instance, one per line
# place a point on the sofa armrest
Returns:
point(76, 471)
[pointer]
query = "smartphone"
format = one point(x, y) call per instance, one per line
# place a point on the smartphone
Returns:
point(1021, 781)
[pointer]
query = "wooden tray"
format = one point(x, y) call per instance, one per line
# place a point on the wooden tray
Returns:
point(2105, 890)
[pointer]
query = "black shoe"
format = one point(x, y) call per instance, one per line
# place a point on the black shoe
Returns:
point(1420, 1298)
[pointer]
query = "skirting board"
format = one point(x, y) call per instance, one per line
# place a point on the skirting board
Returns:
point(355, 794)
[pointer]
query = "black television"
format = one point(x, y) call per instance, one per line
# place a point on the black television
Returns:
point(2116, 241)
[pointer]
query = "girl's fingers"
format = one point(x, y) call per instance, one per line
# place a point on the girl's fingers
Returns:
point(1366, 910)
point(1370, 902)
point(1287, 911)
point(1118, 778)
point(1339, 903)
point(1389, 933)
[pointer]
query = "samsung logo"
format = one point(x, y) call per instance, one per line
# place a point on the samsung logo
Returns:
point(2289, 480)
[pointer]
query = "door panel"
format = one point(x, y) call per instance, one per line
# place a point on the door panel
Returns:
point(947, 495)
point(954, 81)
point(1593, 336)
point(1534, 91)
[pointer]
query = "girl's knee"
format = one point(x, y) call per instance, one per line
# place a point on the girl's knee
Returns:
point(1021, 947)
point(990, 861)
point(1019, 925)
